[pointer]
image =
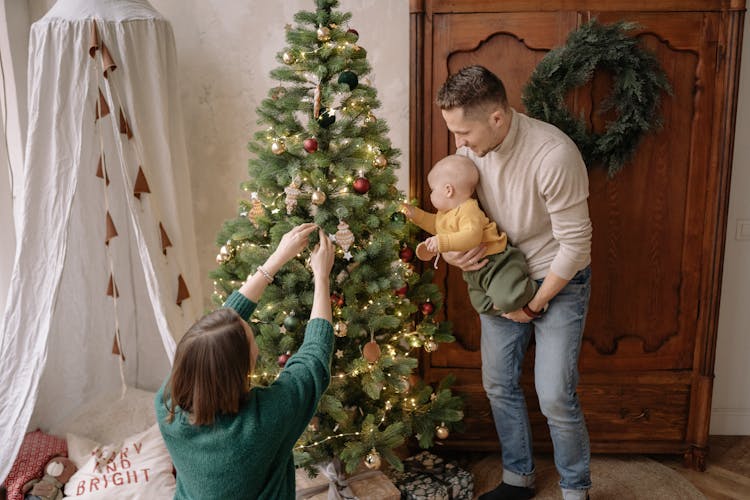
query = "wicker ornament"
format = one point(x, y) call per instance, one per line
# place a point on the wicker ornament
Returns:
point(256, 210)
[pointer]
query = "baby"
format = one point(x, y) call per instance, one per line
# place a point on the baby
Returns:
point(503, 284)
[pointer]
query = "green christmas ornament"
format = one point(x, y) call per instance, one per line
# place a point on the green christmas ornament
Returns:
point(349, 78)
point(291, 323)
point(326, 118)
point(398, 217)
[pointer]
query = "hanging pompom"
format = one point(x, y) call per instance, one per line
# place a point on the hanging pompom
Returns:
point(371, 351)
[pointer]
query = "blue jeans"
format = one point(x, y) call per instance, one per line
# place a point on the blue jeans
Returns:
point(558, 336)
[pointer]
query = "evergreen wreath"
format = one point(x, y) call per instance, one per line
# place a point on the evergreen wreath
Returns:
point(638, 83)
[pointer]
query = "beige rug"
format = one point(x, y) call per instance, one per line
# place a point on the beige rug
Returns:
point(613, 477)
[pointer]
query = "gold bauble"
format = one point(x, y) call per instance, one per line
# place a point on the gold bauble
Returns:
point(430, 346)
point(340, 329)
point(372, 460)
point(324, 34)
point(287, 57)
point(223, 251)
point(278, 147)
point(370, 118)
point(380, 161)
point(318, 197)
point(441, 431)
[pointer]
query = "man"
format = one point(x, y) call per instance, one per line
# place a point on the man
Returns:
point(534, 185)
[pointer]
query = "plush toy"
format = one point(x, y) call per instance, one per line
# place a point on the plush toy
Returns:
point(57, 472)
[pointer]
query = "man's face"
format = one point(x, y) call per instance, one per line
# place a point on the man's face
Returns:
point(478, 131)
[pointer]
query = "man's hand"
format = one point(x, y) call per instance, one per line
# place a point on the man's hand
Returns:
point(471, 260)
point(518, 316)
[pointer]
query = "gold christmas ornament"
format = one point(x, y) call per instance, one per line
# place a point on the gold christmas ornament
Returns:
point(292, 192)
point(340, 329)
point(372, 460)
point(324, 34)
point(430, 346)
point(380, 161)
point(318, 197)
point(278, 147)
point(288, 58)
point(370, 118)
point(441, 431)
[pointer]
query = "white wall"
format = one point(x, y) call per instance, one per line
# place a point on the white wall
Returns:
point(226, 50)
point(731, 403)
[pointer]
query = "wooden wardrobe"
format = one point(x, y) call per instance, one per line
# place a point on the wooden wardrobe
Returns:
point(647, 361)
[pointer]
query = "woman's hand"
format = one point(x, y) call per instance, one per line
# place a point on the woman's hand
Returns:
point(470, 260)
point(321, 258)
point(292, 243)
point(321, 261)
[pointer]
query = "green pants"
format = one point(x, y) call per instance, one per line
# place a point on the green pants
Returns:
point(503, 285)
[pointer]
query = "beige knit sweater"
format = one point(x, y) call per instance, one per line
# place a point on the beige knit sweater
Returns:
point(534, 185)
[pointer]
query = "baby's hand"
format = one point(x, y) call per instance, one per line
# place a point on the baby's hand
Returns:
point(407, 210)
point(432, 244)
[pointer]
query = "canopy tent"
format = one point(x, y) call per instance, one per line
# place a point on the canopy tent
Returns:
point(105, 276)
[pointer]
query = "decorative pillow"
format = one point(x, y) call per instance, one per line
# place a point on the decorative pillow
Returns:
point(138, 467)
point(36, 450)
point(111, 418)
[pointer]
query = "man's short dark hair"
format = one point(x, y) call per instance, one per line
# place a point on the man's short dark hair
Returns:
point(471, 88)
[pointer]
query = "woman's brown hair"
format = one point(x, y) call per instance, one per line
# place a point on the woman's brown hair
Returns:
point(211, 365)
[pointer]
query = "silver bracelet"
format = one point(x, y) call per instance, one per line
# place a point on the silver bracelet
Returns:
point(265, 274)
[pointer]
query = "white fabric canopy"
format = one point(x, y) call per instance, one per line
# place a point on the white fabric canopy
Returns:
point(58, 330)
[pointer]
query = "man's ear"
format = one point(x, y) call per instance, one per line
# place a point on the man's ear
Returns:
point(497, 118)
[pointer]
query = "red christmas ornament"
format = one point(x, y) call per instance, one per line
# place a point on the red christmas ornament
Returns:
point(310, 145)
point(427, 308)
point(401, 292)
point(406, 254)
point(353, 32)
point(361, 185)
point(337, 300)
point(371, 351)
point(283, 358)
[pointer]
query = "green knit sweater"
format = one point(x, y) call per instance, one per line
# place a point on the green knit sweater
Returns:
point(249, 455)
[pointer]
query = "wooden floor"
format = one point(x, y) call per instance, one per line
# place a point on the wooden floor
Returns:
point(727, 474)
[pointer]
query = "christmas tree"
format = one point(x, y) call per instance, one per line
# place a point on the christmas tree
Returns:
point(323, 156)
